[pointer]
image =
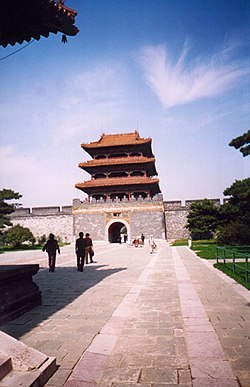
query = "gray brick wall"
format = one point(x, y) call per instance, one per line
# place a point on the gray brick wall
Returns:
point(176, 221)
point(148, 223)
point(91, 223)
point(60, 225)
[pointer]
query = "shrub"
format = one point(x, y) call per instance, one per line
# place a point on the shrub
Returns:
point(234, 233)
point(17, 235)
point(42, 239)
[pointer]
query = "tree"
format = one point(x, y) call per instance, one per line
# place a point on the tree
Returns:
point(203, 219)
point(235, 214)
point(17, 235)
point(242, 142)
point(5, 208)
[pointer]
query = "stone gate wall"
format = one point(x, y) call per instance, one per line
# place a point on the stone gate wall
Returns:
point(162, 219)
point(141, 216)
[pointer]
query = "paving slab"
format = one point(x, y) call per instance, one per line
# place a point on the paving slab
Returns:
point(138, 319)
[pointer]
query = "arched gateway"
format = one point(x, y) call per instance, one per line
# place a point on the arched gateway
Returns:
point(115, 229)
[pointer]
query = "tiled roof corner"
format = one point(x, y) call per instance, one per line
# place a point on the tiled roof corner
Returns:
point(118, 139)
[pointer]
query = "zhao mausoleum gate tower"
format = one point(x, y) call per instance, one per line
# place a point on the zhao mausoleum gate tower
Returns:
point(123, 194)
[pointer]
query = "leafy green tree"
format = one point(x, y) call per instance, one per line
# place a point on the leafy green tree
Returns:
point(242, 143)
point(235, 214)
point(17, 235)
point(203, 219)
point(5, 208)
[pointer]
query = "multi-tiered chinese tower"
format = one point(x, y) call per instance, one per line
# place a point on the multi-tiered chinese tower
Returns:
point(122, 166)
point(123, 192)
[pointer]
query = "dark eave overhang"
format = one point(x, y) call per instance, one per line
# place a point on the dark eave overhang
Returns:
point(30, 19)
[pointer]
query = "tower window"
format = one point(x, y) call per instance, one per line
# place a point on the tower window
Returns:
point(118, 174)
point(99, 157)
point(137, 173)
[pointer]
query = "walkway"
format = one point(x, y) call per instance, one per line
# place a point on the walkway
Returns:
point(135, 319)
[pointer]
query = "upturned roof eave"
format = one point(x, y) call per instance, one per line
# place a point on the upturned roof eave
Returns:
point(117, 161)
point(101, 145)
point(53, 18)
point(117, 140)
point(114, 182)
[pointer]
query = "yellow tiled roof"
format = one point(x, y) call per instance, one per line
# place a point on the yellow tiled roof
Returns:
point(107, 140)
point(115, 181)
point(117, 161)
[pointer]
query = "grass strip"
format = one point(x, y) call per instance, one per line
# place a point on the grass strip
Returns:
point(207, 250)
point(238, 276)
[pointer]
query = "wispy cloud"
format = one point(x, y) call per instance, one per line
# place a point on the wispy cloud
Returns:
point(183, 81)
point(95, 100)
point(103, 81)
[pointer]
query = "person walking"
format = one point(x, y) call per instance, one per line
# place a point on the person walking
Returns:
point(142, 239)
point(152, 244)
point(51, 246)
point(80, 251)
point(88, 249)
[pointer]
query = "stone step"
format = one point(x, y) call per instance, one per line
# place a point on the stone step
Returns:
point(29, 366)
point(5, 365)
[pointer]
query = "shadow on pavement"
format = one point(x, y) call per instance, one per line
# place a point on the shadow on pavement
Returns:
point(59, 289)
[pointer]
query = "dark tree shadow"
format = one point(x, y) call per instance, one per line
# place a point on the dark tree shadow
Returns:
point(58, 290)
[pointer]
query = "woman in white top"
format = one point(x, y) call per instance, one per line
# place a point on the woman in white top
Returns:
point(152, 244)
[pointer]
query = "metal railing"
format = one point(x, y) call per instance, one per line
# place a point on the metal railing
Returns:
point(234, 256)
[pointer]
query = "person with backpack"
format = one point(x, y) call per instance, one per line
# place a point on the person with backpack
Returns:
point(51, 246)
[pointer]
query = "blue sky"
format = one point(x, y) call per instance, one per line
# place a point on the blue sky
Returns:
point(175, 70)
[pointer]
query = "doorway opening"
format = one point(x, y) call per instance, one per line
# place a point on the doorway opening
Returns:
point(116, 232)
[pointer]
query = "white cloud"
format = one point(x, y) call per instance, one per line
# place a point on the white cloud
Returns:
point(182, 81)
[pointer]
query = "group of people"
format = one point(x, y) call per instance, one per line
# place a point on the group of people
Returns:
point(139, 241)
point(83, 249)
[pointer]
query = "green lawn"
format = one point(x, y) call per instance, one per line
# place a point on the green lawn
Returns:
point(22, 248)
point(5, 248)
point(180, 242)
point(207, 250)
point(239, 274)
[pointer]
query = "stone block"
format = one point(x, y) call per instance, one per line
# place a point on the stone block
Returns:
point(29, 366)
point(5, 365)
point(18, 292)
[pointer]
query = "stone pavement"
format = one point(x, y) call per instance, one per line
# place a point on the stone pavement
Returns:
point(135, 319)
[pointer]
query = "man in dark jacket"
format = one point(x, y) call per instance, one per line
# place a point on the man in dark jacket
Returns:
point(80, 251)
point(51, 246)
